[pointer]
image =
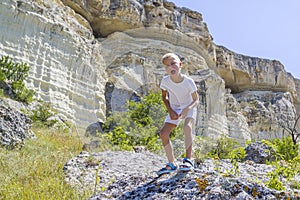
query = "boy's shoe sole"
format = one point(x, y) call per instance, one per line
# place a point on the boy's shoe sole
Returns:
point(186, 169)
point(167, 171)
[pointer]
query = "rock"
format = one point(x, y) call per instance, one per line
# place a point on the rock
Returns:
point(242, 72)
point(259, 153)
point(129, 175)
point(15, 127)
point(94, 145)
point(62, 53)
point(94, 129)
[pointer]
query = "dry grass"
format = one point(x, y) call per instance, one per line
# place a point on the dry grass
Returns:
point(36, 171)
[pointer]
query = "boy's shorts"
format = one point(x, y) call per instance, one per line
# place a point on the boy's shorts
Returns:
point(191, 114)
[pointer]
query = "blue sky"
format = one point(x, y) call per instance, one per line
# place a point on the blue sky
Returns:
point(259, 28)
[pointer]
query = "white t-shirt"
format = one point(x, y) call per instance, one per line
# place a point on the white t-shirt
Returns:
point(179, 93)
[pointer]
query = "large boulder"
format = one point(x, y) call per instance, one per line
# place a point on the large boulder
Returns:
point(259, 153)
point(15, 126)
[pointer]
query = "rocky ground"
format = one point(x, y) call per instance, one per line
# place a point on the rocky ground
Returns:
point(15, 126)
point(130, 175)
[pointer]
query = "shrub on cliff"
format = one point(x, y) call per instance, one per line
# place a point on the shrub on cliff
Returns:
point(12, 77)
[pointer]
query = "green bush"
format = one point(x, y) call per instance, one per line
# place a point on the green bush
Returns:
point(14, 75)
point(41, 116)
point(150, 110)
point(283, 169)
point(22, 94)
point(284, 148)
point(42, 112)
point(120, 138)
point(274, 182)
point(15, 72)
point(286, 164)
point(224, 145)
point(223, 148)
point(138, 126)
point(235, 156)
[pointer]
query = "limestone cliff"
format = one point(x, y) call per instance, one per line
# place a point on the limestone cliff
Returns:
point(67, 68)
point(89, 56)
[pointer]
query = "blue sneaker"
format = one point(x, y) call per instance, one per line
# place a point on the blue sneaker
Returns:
point(165, 170)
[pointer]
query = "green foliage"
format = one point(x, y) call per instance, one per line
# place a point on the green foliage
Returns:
point(274, 182)
point(36, 170)
point(138, 126)
point(284, 148)
point(43, 116)
point(119, 137)
point(22, 94)
point(295, 184)
point(286, 164)
point(146, 136)
point(42, 113)
point(223, 147)
point(238, 154)
point(14, 74)
point(150, 110)
point(235, 156)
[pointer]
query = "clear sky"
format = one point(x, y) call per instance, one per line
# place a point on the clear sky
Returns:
point(259, 28)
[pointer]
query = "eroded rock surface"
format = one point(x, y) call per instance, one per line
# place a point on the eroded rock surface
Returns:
point(65, 60)
point(129, 175)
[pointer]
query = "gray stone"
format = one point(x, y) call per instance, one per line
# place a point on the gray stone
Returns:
point(94, 129)
point(15, 127)
point(130, 175)
point(259, 153)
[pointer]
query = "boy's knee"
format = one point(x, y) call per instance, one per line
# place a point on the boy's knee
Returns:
point(188, 126)
point(163, 134)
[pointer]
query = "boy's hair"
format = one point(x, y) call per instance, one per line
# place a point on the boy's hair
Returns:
point(172, 55)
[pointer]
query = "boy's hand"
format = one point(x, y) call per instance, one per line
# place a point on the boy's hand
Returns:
point(174, 115)
point(184, 113)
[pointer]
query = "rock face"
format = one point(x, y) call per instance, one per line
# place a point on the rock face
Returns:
point(58, 44)
point(89, 57)
point(129, 175)
point(249, 73)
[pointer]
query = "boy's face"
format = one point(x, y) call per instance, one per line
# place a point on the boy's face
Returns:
point(172, 66)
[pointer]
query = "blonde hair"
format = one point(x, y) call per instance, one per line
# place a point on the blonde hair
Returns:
point(170, 55)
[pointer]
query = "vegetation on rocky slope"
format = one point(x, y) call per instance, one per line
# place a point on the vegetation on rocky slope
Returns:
point(36, 170)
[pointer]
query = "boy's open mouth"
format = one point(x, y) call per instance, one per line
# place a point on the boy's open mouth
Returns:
point(173, 72)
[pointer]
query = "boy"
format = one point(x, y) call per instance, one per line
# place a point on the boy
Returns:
point(179, 94)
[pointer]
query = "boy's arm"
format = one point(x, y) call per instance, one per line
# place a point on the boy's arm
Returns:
point(195, 102)
point(172, 113)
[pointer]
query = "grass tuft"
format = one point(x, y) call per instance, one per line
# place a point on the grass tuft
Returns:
point(36, 170)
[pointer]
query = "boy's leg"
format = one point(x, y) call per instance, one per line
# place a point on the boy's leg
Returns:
point(165, 138)
point(188, 136)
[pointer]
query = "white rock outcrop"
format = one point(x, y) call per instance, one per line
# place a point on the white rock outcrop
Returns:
point(89, 57)
point(67, 68)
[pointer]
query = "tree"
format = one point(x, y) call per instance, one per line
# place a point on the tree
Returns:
point(291, 127)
